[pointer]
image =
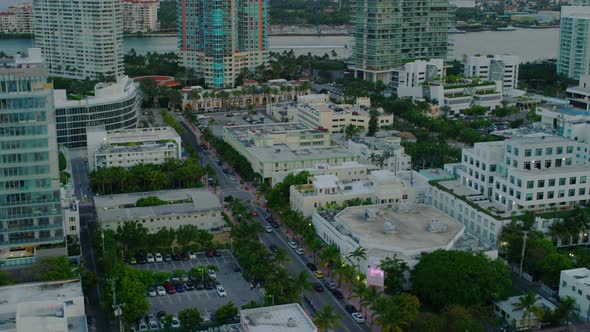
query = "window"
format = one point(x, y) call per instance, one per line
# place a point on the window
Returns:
point(582, 191)
point(527, 165)
point(571, 193)
point(519, 182)
point(573, 180)
point(516, 151)
point(537, 164)
point(492, 168)
point(562, 181)
point(508, 161)
point(549, 151)
point(570, 149)
point(550, 194)
point(563, 284)
point(557, 162)
point(527, 152)
point(538, 151)
point(539, 195)
point(509, 148)
point(541, 183)
point(530, 184)
point(582, 179)
point(568, 161)
point(511, 179)
point(547, 163)
point(561, 194)
point(559, 150)
point(529, 196)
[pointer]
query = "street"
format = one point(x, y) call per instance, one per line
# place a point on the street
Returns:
point(277, 237)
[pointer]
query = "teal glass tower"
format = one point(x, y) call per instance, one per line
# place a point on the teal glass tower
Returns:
point(221, 38)
point(30, 211)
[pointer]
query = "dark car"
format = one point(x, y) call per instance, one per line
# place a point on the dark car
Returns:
point(200, 286)
point(183, 256)
point(140, 259)
point(338, 294)
point(216, 253)
point(175, 257)
point(268, 218)
point(161, 314)
point(225, 170)
point(237, 269)
point(209, 285)
point(274, 224)
point(311, 266)
point(210, 253)
point(189, 285)
point(167, 257)
point(179, 287)
point(350, 308)
point(318, 287)
point(273, 248)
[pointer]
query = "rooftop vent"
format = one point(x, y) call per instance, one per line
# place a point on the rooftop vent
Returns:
point(291, 322)
point(389, 227)
point(370, 214)
point(435, 226)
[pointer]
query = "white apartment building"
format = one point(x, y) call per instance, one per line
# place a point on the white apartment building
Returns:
point(277, 318)
point(283, 147)
point(17, 18)
point(317, 112)
point(413, 74)
point(140, 15)
point(80, 39)
point(7, 22)
point(323, 191)
point(576, 284)
point(493, 68)
point(191, 206)
point(130, 147)
point(574, 48)
point(384, 151)
point(346, 171)
point(71, 212)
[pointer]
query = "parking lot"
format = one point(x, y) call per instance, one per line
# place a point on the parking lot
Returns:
point(221, 120)
point(207, 301)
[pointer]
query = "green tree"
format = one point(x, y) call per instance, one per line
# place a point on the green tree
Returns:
point(130, 291)
point(528, 304)
point(190, 318)
point(551, 266)
point(396, 312)
point(567, 311)
point(55, 268)
point(351, 131)
point(326, 318)
point(457, 277)
point(373, 123)
point(359, 253)
point(301, 283)
point(132, 235)
point(226, 313)
point(149, 89)
point(186, 234)
point(395, 269)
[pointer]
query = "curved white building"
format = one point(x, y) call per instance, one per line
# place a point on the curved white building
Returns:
point(114, 106)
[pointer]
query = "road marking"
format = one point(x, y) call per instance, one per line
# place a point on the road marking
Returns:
point(169, 298)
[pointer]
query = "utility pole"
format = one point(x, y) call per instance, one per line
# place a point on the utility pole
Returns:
point(118, 308)
point(522, 254)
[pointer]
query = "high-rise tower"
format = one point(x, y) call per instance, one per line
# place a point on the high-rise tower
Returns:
point(574, 40)
point(220, 38)
point(80, 38)
point(390, 32)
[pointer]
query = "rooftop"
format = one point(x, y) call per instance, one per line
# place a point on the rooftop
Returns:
point(509, 304)
point(119, 208)
point(139, 134)
point(582, 275)
point(279, 318)
point(282, 152)
point(411, 228)
point(32, 295)
point(107, 92)
point(542, 139)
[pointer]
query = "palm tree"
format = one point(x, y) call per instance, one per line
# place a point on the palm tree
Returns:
point(396, 312)
point(237, 94)
point(358, 253)
point(301, 283)
point(528, 304)
point(330, 255)
point(569, 310)
point(326, 318)
point(195, 97)
point(358, 291)
point(281, 256)
point(351, 131)
point(213, 96)
point(266, 90)
point(369, 301)
point(223, 95)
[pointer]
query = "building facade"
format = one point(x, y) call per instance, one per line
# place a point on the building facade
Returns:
point(30, 207)
point(17, 19)
point(413, 74)
point(576, 284)
point(502, 68)
point(7, 22)
point(113, 106)
point(140, 15)
point(388, 33)
point(80, 39)
point(130, 147)
point(221, 38)
point(574, 44)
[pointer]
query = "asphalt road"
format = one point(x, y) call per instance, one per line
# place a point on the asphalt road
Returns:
point(278, 238)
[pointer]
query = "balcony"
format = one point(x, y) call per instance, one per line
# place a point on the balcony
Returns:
point(45, 240)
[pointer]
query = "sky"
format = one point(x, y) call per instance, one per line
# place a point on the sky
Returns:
point(6, 3)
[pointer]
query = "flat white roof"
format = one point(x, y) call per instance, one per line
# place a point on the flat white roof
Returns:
point(279, 318)
point(581, 275)
point(141, 134)
point(325, 181)
point(509, 304)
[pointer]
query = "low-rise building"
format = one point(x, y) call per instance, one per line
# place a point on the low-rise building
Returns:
point(179, 207)
point(140, 15)
point(327, 191)
point(43, 307)
point(115, 105)
point(283, 147)
point(575, 283)
point(346, 171)
point(404, 229)
point(502, 68)
point(277, 318)
point(317, 112)
point(130, 147)
point(413, 74)
point(384, 150)
point(518, 318)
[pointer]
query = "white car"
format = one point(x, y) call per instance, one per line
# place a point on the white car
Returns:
point(154, 325)
point(212, 274)
point(221, 291)
point(150, 258)
point(159, 257)
point(192, 255)
point(231, 178)
point(292, 244)
point(175, 322)
point(299, 251)
point(185, 277)
point(142, 325)
point(358, 317)
point(152, 291)
point(268, 229)
point(161, 290)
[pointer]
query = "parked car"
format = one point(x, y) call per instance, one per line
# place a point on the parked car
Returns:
point(231, 178)
point(268, 229)
point(161, 290)
point(299, 251)
point(140, 259)
point(358, 317)
point(338, 294)
point(150, 258)
point(318, 287)
point(254, 213)
point(175, 257)
point(189, 285)
point(152, 291)
point(311, 266)
point(292, 244)
point(350, 308)
point(210, 253)
point(179, 287)
point(132, 260)
point(175, 322)
point(330, 285)
point(170, 288)
point(143, 325)
point(154, 324)
point(318, 274)
point(159, 257)
point(273, 247)
point(221, 291)
point(274, 224)
point(183, 256)
point(211, 274)
point(161, 314)
point(192, 254)
point(209, 285)
point(216, 253)
point(167, 257)
point(200, 286)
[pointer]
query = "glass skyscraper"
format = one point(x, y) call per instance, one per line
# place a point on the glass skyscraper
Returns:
point(30, 212)
point(388, 33)
point(220, 38)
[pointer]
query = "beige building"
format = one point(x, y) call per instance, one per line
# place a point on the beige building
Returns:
point(196, 207)
point(325, 191)
point(17, 19)
point(130, 147)
point(283, 147)
point(317, 111)
point(518, 319)
point(140, 15)
point(346, 171)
